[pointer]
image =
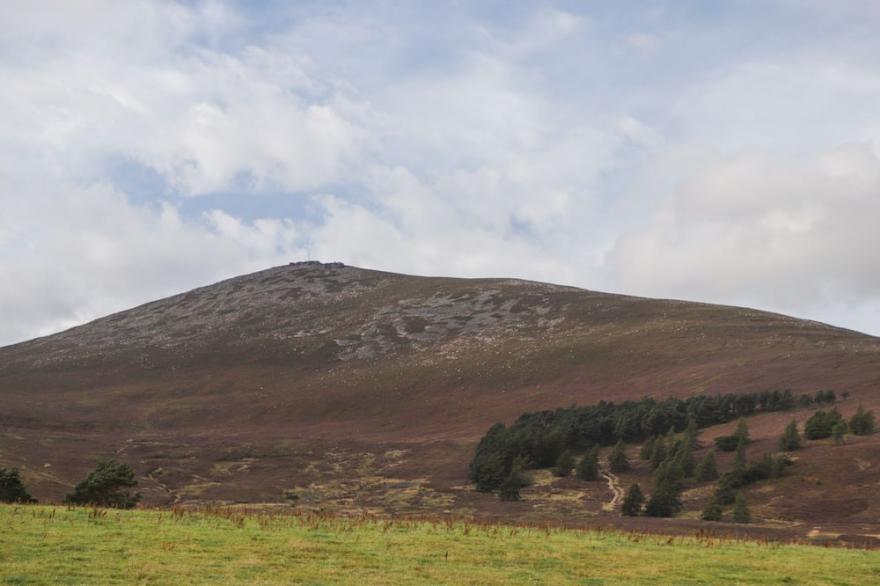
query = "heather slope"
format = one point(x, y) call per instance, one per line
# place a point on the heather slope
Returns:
point(370, 388)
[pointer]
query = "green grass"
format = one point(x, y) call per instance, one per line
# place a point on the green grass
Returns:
point(42, 544)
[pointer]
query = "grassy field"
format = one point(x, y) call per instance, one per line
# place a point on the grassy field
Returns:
point(43, 544)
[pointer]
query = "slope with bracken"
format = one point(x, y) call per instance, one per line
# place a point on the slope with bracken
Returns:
point(322, 382)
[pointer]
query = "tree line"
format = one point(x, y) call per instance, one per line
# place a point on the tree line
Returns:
point(537, 439)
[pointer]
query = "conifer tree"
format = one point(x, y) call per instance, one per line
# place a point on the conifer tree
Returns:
point(659, 454)
point(647, 449)
point(509, 489)
point(12, 489)
point(692, 432)
point(742, 430)
point(739, 462)
point(664, 501)
point(713, 511)
point(862, 423)
point(838, 431)
point(108, 485)
point(632, 503)
point(707, 470)
point(684, 457)
point(618, 460)
point(741, 509)
point(588, 467)
point(564, 465)
point(791, 438)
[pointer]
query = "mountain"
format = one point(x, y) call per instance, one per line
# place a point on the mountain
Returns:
point(323, 383)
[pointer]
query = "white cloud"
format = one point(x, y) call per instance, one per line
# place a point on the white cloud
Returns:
point(535, 145)
point(785, 232)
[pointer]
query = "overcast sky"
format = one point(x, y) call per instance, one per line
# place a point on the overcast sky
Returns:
point(713, 151)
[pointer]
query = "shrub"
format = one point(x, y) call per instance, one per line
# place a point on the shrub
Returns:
point(108, 485)
point(727, 443)
point(12, 489)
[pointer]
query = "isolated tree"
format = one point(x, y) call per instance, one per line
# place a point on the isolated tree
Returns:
point(862, 423)
point(741, 509)
point(838, 431)
point(109, 485)
point(588, 467)
point(707, 470)
point(12, 489)
point(509, 489)
point(618, 460)
point(632, 502)
point(647, 449)
point(712, 511)
point(664, 501)
point(791, 438)
point(564, 465)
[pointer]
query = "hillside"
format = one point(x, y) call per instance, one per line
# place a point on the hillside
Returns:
point(329, 383)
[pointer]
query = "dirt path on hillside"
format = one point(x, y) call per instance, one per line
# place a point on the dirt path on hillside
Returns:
point(614, 487)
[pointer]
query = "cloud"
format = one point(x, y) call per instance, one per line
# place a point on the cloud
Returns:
point(788, 232)
point(148, 148)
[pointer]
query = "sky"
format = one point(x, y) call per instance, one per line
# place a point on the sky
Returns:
point(726, 152)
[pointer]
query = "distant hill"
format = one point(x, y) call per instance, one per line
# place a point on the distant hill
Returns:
point(302, 378)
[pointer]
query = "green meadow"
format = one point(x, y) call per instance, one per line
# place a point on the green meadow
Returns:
point(57, 545)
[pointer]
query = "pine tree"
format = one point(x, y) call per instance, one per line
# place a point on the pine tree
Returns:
point(742, 430)
point(588, 467)
point(692, 432)
point(739, 462)
point(838, 431)
point(564, 465)
point(618, 460)
point(509, 489)
point(741, 509)
point(108, 485)
point(647, 449)
point(12, 489)
point(791, 438)
point(664, 501)
point(632, 503)
point(713, 511)
point(684, 457)
point(706, 469)
point(862, 423)
point(659, 454)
